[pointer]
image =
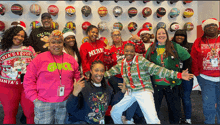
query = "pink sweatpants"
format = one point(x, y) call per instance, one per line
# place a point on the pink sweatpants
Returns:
point(10, 98)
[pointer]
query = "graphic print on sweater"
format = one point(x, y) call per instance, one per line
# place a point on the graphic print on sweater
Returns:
point(53, 66)
point(99, 104)
point(96, 51)
point(211, 61)
point(45, 38)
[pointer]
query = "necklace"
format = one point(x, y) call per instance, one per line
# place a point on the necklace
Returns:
point(60, 73)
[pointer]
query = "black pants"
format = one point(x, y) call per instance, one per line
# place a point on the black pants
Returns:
point(173, 101)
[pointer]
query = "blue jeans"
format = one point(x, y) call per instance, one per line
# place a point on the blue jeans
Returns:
point(187, 89)
point(210, 96)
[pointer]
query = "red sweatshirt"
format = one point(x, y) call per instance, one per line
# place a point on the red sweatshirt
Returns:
point(112, 56)
point(201, 55)
point(90, 52)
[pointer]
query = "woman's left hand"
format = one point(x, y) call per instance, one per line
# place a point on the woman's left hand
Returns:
point(122, 86)
point(186, 75)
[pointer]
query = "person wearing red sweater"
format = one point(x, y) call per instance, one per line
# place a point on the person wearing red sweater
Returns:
point(91, 50)
point(205, 55)
point(112, 55)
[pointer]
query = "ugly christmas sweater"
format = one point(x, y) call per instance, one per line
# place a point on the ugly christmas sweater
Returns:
point(169, 62)
point(202, 57)
point(91, 103)
point(13, 63)
point(91, 52)
point(146, 68)
point(39, 39)
point(112, 56)
point(42, 79)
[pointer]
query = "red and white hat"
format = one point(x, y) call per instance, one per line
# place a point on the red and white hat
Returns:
point(144, 30)
point(209, 21)
point(19, 23)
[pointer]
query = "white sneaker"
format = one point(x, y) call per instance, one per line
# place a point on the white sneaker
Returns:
point(125, 121)
point(188, 121)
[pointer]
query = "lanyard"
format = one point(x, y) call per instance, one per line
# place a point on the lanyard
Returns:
point(212, 49)
point(60, 73)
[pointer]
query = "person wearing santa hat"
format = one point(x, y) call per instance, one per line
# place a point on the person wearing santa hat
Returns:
point(145, 36)
point(205, 55)
point(16, 54)
point(112, 55)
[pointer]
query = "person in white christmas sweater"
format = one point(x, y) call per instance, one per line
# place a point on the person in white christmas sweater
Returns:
point(15, 55)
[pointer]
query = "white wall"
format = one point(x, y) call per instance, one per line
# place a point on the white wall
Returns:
point(94, 18)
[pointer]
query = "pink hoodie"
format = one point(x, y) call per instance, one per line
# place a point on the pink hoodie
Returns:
point(42, 79)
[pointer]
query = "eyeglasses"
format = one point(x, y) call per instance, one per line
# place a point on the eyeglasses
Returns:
point(115, 35)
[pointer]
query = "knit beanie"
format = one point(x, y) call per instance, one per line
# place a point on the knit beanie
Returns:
point(209, 21)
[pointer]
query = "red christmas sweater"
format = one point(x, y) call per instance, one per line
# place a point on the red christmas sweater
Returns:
point(112, 56)
point(90, 52)
point(203, 61)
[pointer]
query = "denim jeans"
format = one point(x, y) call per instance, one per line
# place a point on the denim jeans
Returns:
point(187, 89)
point(68, 121)
point(210, 96)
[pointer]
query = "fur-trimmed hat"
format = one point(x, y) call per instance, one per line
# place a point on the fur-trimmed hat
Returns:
point(144, 30)
point(67, 32)
point(19, 23)
point(209, 21)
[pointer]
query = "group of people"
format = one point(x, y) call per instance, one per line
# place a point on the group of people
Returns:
point(57, 83)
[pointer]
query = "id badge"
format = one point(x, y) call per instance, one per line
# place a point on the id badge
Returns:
point(214, 62)
point(129, 92)
point(61, 90)
point(102, 121)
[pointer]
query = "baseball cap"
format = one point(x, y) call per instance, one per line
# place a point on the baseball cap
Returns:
point(45, 15)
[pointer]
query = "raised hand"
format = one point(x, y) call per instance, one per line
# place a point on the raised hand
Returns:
point(122, 86)
point(108, 47)
point(186, 75)
point(135, 37)
point(78, 86)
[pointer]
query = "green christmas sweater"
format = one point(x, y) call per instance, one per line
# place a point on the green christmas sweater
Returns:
point(146, 68)
point(169, 62)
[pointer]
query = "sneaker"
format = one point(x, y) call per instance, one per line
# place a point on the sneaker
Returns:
point(125, 121)
point(188, 121)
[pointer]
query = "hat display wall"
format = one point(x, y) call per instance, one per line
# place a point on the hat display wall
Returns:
point(85, 25)
point(86, 11)
point(174, 12)
point(118, 25)
point(159, 1)
point(102, 26)
point(147, 25)
point(2, 9)
point(35, 24)
point(102, 11)
point(2, 26)
point(53, 10)
point(35, 9)
point(85, 39)
point(188, 26)
point(117, 11)
point(173, 1)
point(161, 12)
point(55, 25)
point(132, 26)
point(188, 13)
point(70, 25)
point(17, 9)
point(161, 24)
point(70, 10)
point(187, 1)
point(132, 12)
point(146, 12)
point(145, 1)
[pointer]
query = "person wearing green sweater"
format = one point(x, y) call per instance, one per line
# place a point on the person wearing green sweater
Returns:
point(170, 55)
point(136, 71)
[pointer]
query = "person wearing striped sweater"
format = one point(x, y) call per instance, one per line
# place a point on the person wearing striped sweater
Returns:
point(136, 71)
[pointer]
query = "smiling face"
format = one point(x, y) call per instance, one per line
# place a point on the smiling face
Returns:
point(145, 37)
point(161, 36)
point(211, 30)
point(70, 40)
point(19, 38)
point(180, 39)
point(93, 34)
point(46, 22)
point(116, 37)
point(129, 52)
point(56, 46)
point(97, 73)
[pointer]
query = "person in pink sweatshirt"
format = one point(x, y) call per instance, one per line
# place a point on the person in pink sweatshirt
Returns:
point(15, 55)
point(49, 81)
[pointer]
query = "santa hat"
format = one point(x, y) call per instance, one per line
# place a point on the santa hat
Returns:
point(209, 21)
point(19, 23)
point(144, 30)
point(67, 32)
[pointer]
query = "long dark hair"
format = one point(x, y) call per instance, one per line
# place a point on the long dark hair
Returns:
point(180, 32)
point(170, 50)
point(90, 28)
point(7, 40)
point(76, 50)
point(90, 76)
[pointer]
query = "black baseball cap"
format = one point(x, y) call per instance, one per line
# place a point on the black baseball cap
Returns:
point(45, 15)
